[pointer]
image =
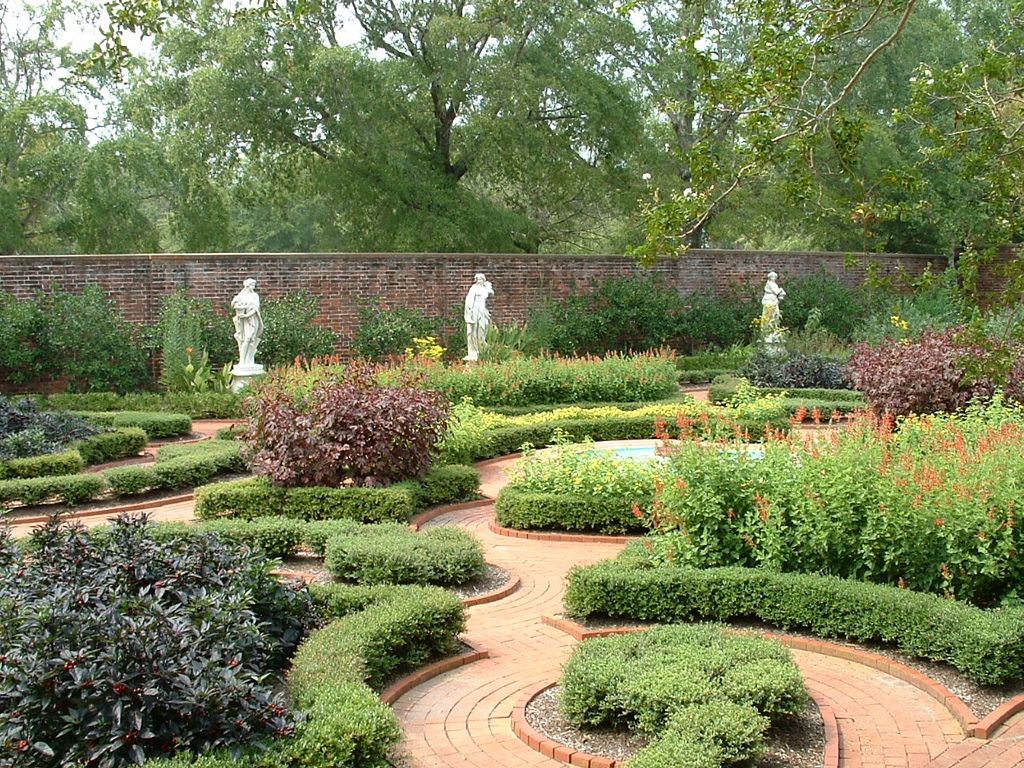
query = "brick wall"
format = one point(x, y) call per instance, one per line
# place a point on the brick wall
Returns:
point(434, 283)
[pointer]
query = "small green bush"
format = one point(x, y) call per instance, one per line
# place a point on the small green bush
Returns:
point(440, 556)
point(122, 443)
point(66, 463)
point(156, 425)
point(276, 537)
point(248, 499)
point(448, 484)
point(69, 489)
point(527, 510)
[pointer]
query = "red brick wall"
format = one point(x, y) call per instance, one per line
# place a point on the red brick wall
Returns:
point(434, 283)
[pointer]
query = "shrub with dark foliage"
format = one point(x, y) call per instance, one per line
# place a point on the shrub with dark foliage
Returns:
point(26, 431)
point(797, 371)
point(928, 375)
point(344, 427)
point(117, 647)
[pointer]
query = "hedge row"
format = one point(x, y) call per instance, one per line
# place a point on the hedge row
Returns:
point(187, 466)
point(257, 497)
point(724, 389)
point(106, 446)
point(986, 645)
point(336, 671)
point(525, 510)
point(156, 425)
point(199, 405)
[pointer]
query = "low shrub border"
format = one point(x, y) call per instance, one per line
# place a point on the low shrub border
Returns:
point(181, 467)
point(986, 645)
point(522, 510)
point(156, 425)
point(258, 497)
point(106, 446)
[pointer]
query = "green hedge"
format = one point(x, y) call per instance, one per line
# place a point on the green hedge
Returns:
point(443, 556)
point(122, 443)
point(69, 489)
point(156, 425)
point(47, 465)
point(278, 537)
point(986, 645)
point(724, 389)
point(257, 497)
point(550, 511)
point(199, 405)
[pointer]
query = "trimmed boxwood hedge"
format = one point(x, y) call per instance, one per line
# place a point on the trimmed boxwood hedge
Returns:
point(156, 425)
point(525, 510)
point(987, 645)
point(121, 443)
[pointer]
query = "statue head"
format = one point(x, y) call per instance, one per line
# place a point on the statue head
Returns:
point(772, 275)
point(480, 278)
point(249, 283)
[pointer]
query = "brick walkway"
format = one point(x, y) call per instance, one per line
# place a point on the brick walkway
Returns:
point(464, 717)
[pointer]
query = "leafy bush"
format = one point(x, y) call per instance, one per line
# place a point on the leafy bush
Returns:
point(257, 497)
point(121, 443)
point(198, 405)
point(797, 371)
point(343, 428)
point(442, 556)
point(189, 328)
point(156, 425)
point(448, 484)
point(290, 332)
point(276, 537)
point(388, 331)
point(66, 463)
point(26, 431)
point(711, 322)
point(928, 375)
point(80, 339)
point(545, 380)
point(98, 630)
point(841, 310)
point(69, 489)
point(931, 508)
point(684, 680)
point(634, 313)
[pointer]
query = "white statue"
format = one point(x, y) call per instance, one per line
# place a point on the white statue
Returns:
point(771, 314)
point(477, 316)
point(248, 327)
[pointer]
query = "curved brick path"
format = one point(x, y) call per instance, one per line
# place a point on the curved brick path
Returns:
point(463, 717)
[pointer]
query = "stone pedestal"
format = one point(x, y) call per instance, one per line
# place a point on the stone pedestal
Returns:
point(241, 375)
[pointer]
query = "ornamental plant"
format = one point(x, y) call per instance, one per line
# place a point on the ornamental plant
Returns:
point(334, 426)
point(925, 375)
point(930, 507)
point(118, 647)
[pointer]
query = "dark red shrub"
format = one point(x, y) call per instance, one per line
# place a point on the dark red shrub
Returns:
point(343, 427)
point(927, 375)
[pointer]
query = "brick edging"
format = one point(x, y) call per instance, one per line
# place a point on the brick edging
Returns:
point(425, 517)
point(104, 512)
point(577, 538)
point(422, 675)
point(505, 590)
point(556, 751)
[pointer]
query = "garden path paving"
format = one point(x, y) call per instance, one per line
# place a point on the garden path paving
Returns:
point(463, 717)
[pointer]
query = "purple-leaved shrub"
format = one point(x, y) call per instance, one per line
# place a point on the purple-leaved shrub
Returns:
point(926, 375)
point(332, 428)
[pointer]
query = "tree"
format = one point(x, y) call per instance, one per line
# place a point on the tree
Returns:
point(458, 128)
point(777, 78)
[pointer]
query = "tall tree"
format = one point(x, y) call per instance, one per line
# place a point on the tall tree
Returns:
point(456, 127)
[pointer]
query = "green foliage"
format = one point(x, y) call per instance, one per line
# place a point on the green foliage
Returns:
point(188, 327)
point(255, 497)
point(290, 333)
point(198, 405)
point(324, 428)
point(932, 507)
point(408, 627)
point(984, 644)
point(121, 443)
point(712, 321)
point(276, 537)
point(539, 511)
point(635, 313)
point(794, 371)
point(89, 635)
point(81, 339)
point(828, 304)
point(69, 489)
point(448, 484)
point(714, 690)
point(388, 331)
point(155, 425)
point(25, 431)
point(442, 556)
point(66, 463)
point(545, 380)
